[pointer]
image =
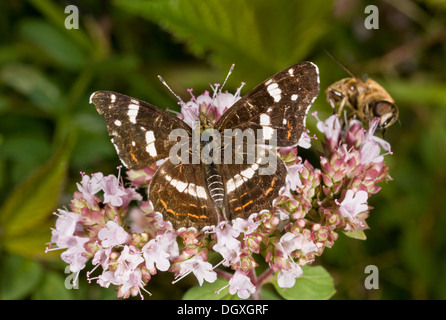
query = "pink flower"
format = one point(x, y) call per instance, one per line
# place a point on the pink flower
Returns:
point(168, 242)
point(89, 187)
point(107, 278)
point(224, 101)
point(75, 254)
point(304, 141)
point(293, 176)
point(201, 269)
point(290, 242)
point(102, 257)
point(241, 284)
point(113, 192)
point(66, 224)
point(154, 253)
point(128, 261)
point(112, 235)
point(227, 244)
point(287, 278)
point(371, 146)
point(245, 226)
point(353, 204)
point(332, 130)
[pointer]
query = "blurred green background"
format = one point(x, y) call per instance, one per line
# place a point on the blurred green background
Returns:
point(49, 132)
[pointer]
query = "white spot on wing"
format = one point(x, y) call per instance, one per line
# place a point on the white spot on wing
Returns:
point(181, 186)
point(201, 192)
point(268, 132)
point(265, 120)
point(150, 137)
point(248, 173)
point(133, 112)
point(230, 185)
point(291, 72)
point(91, 97)
point(150, 140)
point(113, 98)
point(274, 91)
point(118, 123)
point(294, 97)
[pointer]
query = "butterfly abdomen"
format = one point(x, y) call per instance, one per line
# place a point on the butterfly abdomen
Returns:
point(215, 184)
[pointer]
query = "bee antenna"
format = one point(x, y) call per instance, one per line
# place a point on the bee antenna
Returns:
point(340, 63)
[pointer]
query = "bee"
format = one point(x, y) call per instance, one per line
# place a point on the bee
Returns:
point(367, 99)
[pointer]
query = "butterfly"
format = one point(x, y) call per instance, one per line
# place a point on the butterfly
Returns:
point(203, 194)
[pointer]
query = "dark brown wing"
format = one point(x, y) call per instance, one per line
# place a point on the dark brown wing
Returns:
point(252, 187)
point(180, 193)
point(141, 131)
point(279, 103)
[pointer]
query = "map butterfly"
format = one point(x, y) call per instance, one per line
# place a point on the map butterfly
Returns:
point(199, 195)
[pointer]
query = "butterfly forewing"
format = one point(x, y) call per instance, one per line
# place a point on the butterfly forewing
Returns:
point(280, 103)
point(141, 131)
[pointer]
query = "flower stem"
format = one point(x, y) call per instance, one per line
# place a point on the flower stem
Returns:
point(223, 274)
point(264, 277)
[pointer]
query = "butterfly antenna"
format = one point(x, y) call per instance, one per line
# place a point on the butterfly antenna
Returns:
point(218, 91)
point(181, 102)
point(340, 64)
point(226, 79)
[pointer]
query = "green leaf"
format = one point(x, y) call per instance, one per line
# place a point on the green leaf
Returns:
point(54, 12)
point(19, 276)
point(314, 284)
point(33, 84)
point(33, 201)
point(33, 243)
point(207, 291)
point(54, 43)
point(53, 288)
point(243, 32)
point(359, 234)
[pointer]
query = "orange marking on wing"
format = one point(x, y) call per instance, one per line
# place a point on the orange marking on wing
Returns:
point(272, 184)
point(133, 155)
point(238, 209)
point(289, 131)
point(273, 181)
point(163, 203)
point(247, 204)
point(268, 191)
point(197, 216)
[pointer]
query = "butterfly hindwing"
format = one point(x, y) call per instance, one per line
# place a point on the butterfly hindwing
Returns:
point(180, 193)
point(280, 103)
point(140, 130)
point(247, 189)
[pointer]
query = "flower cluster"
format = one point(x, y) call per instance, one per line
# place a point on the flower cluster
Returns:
point(128, 242)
